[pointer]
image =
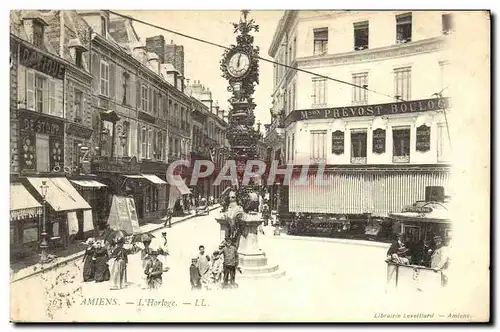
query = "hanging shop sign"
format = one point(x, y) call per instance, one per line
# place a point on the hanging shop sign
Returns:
point(402, 107)
point(36, 60)
point(27, 151)
point(56, 153)
point(423, 141)
point(338, 142)
point(379, 141)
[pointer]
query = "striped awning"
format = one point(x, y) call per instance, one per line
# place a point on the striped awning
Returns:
point(22, 203)
point(61, 195)
point(153, 179)
point(88, 183)
point(376, 193)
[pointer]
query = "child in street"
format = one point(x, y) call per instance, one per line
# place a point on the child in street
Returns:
point(217, 267)
point(194, 273)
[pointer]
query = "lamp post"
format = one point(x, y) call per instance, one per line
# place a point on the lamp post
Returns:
point(44, 245)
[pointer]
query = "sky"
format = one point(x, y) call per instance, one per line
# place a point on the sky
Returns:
point(201, 61)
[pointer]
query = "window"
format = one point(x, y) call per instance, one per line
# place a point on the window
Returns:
point(40, 93)
point(42, 153)
point(126, 133)
point(104, 78)
point(78, 105)
point(401, 145)
point(144, 144)
point(79, 58)
point(150, 143)
point(293, 147)
point(443, 146)
point(151, 202)
point(361, 36)
point(402, 83)
point(144, 98)
point(359, 92)
point(104, 26)
point(447, 23)
point(358, 147)
point(318, 146)
point(170, 146)
point(151, 100)
point(37, 34)
point(319, 92)
point(403, 28)
point(155, 103)
point(320, 41)
point(126, 80)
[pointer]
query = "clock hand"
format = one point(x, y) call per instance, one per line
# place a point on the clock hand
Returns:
point(238, 64)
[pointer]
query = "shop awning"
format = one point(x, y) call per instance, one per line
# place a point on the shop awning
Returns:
point(154, 179)
point(88, 183)
point(22, 203)
point(61, 195)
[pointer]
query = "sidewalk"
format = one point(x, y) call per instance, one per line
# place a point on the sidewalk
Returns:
point(270, 230)
point(28, 271)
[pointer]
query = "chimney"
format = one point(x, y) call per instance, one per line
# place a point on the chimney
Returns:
point(156, 45)
point(171, 75)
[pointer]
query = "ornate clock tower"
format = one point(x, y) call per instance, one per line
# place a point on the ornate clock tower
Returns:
point(240, 66)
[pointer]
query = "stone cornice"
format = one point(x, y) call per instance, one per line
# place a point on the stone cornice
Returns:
point(281, 30)
point(393, 51)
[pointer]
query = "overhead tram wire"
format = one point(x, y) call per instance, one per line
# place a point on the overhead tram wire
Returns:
point(260, 58)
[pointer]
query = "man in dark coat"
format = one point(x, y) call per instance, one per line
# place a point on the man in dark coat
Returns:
point(396, 245)
point(230, 253)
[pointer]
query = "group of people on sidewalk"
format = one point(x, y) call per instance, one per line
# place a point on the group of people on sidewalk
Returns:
point(215, 271)
point(108, 262)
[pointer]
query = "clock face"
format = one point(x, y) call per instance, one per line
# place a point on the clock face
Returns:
point(238, 64)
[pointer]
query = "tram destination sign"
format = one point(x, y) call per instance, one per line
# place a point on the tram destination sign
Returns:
point(402, 107)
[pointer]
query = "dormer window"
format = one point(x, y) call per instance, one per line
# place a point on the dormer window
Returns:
point(37, 34)
point(104, 26)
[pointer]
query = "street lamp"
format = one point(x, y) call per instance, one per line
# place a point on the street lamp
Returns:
point(44, 245)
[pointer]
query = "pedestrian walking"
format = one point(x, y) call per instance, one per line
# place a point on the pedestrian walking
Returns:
point(89, 261)
point(204, 265)
point(102, 272)
point(230, 263)
point(440, 259)
point(163, 251)
point(154, 271)
point(119, 268)
point(168, 218)
point(194, 274)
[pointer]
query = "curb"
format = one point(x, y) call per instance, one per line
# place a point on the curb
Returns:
point(332, 240)
point(80, 254)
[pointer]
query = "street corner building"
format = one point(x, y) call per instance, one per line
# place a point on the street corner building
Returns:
point(97, 115)
point(383, 139)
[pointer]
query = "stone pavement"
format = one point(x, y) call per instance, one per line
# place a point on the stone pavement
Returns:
point(19, 272)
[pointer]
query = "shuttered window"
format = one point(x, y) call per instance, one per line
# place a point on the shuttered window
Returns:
point(143, 143)
point(40, 93)
point(104, 75)
point(150, 143)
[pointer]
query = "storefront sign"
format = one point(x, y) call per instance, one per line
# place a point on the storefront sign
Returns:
point(34, 59)
point(39, 123)
point(402, 107)
point(338, 142)
point(423, 138)
point(110, 166)
point(417, 209)
point(379, 140)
